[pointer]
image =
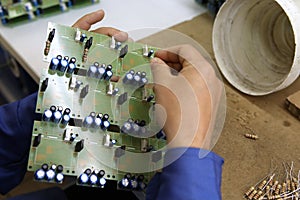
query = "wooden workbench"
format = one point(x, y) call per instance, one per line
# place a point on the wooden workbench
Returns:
point(248, 161)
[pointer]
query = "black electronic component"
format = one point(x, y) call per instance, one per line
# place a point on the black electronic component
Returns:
point(59, 168)
point(115, 91)
point(123, 51)
point(48, 42)
point(72, 60)
point(108, 75)
point(72, 137)
point(37, 140)
point(142, 123)
point(108, 68)
point(156, 156)
point(93, 114)
point(88, 171)
point(44, 85)
point(77, 85)
point(89, 43)
point(161, 135)
point(122, 98)
point(67, 111)
point(150, 98)
point(87, 46)
point(143, 74)
point(150, 53)
point(60, 109)
point(105, 117)
point(84, 91)
point(54, 64)
point(82, 37)
point(99, 115)
point(53, 108)
point(45, 166)
point(118, 45)
point(101, 173)
point(47, 115)
point(66, 58)
point(79, 145)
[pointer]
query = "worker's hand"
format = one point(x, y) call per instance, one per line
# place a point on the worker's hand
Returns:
point(182, 77)
point(90, 19)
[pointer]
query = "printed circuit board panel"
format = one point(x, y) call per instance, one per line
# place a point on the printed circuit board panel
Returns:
point(97, 108)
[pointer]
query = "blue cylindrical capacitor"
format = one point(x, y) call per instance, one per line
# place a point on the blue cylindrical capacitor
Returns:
point(47, 115)
point(88, 121)
point(65, 119)
point(128, 78)
point(50, 174)
point(83, 178)
point(71, 68)
point(54, 63)
point(63, 65)
point(108, 75)
point(93, 179)
point(97, 122)
point(102, 181)
point(92, 71)
point(39, 174)
point(105, 125)
point(100, 72)
point(56, 116)
point(59, 177)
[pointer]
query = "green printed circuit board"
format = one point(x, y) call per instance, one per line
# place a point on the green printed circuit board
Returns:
point(97, 105)
point(18, 11)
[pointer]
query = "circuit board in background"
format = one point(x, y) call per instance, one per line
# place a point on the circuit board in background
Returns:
point(92, 126)
point(18, 11)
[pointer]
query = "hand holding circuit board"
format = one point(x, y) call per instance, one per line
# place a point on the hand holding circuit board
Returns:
point(101, 106)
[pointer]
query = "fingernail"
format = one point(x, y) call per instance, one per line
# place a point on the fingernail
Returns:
point(156, 60)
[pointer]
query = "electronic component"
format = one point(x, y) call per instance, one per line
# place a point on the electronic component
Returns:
point(84, 91)
point(44, 85)
point(14, 12)
point(123, 51)
point(48, 42)
point(94, 133)
point(79, 145)
point(87, 46)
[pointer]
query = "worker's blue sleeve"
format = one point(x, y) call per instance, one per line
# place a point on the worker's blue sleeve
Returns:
point(189, 177)
point(16, 122)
